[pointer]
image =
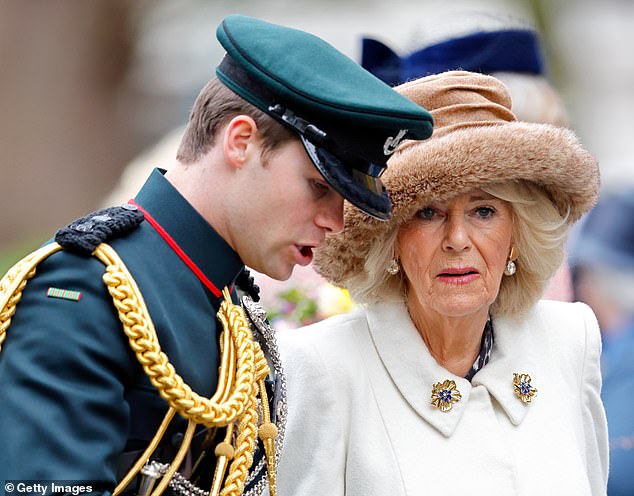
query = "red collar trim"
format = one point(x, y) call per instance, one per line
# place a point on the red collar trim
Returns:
point(179, 251)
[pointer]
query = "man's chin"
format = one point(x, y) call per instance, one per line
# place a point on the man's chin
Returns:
point(285, 275)
point(282, 273)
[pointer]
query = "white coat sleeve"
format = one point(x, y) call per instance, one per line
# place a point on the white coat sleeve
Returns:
point(594, 419)
point(313, 454)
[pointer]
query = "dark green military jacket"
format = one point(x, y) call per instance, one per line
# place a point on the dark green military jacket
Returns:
point(73, 397)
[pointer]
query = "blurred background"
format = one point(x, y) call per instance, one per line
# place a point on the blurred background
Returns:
point(94, 93)
point(86, 86)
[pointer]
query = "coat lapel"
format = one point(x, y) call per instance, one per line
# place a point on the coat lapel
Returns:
point(513, 352)
point(414, 371)
point(411, 367)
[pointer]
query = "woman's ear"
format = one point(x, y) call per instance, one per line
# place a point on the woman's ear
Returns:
point(239, 139)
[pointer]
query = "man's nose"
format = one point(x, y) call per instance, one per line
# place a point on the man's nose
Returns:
point(330, 217)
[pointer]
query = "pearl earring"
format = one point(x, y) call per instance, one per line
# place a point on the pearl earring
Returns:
point(392, 267)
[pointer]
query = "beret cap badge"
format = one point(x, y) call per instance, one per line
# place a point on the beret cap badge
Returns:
point(392, 142)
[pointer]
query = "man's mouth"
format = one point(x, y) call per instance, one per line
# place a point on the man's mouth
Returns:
point(306, 250)
point(304, 254)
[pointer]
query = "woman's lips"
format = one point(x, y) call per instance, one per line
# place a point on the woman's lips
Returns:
point(462, 275)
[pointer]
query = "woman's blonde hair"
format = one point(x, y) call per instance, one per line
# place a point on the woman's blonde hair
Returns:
point(539, 237)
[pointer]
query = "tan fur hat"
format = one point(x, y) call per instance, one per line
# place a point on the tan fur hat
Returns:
point(476, 141)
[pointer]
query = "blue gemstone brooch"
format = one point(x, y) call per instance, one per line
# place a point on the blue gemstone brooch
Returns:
point(523, 388)
point(444, 395)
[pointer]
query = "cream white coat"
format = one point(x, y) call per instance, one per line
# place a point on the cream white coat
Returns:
point(361, 423)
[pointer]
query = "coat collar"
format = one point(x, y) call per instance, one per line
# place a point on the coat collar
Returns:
point(414, 371)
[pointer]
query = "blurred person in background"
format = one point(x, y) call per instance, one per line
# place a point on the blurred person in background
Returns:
point(97, 361)
point(454, 378)
point(602, 264)
point(497, 44)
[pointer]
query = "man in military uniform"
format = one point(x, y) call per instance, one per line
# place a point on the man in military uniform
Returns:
point(116, 333)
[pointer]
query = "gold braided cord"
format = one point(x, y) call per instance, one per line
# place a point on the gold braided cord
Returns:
point(178, 459)
point(142, 337)
point(243, 458)
point(243, 369)
point(14, 281)
point(239, 404)
point(268, 430)
point(247, 427)
point(224, 452)
point(227, 372)
point(146, 454)
point(261, 365)
point(268, 433)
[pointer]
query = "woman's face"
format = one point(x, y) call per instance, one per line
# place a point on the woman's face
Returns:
point(454, 252)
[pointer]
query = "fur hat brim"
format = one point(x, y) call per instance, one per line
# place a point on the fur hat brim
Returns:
point(460, 161)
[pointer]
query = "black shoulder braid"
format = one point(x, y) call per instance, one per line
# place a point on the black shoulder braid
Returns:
point(83, 235)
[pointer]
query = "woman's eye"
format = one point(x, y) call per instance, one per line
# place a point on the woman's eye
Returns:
point(426, 213)
point(485, 212)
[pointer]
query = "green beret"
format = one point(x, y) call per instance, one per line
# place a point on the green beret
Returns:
point(349, 121)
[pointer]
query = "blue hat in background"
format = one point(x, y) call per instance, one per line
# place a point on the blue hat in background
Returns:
point(348, 120)
point(606, 237)
point(486, 52)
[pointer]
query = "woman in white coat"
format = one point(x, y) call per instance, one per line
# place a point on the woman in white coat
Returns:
point(454, 378)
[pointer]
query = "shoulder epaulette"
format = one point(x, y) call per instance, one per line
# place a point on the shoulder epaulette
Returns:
point(83, 235)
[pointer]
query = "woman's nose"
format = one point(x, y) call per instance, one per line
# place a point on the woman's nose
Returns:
point(456, 234)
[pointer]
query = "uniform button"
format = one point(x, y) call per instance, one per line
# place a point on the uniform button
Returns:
point(177, 439)
point(127, 206)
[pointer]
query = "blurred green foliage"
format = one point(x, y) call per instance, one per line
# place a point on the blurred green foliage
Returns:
point(10, 254)
point(295, 304)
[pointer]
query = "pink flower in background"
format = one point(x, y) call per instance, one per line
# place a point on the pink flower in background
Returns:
point(305, 298)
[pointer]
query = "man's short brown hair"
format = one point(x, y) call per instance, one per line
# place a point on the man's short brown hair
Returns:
point(215, 105)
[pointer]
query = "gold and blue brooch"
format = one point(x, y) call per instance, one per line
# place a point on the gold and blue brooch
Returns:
point(523, 388)
point(444, 395)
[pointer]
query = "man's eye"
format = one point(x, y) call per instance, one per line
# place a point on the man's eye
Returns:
point(426, 213)
point(319, 187)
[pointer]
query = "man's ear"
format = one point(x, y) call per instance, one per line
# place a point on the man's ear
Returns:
point(239, 139)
